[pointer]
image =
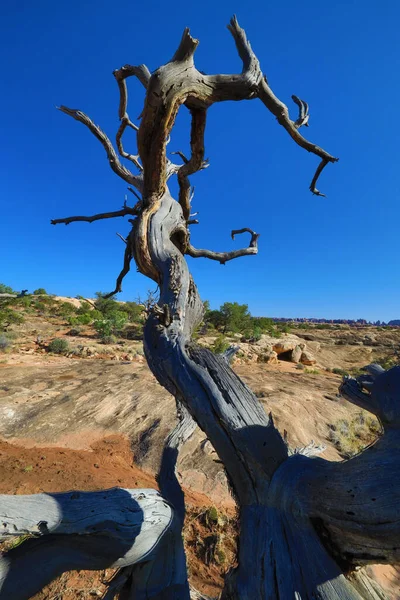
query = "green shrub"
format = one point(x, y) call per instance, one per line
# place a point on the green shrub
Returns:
point(111, 324)
point(65, 309)
point(8, 317)
point(133, 310)
point(220, 345)
point(339, 371)
point(387, 362)
point(40, 306)
point(311, 371)
point(106, 305)
point(84, 308)
point(59, 346)
point(24, 301)
point(6, 289)
point(84, 319)
point(40, 292)
point(252, 335)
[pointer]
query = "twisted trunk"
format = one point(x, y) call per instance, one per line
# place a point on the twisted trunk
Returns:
point(288, 504)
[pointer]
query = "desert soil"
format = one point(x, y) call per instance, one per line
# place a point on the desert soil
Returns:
point(100, 421)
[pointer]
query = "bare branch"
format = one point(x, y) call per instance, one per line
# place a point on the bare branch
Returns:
point(318, 172)
point(109, 215)
point(128, 256)
point(113, 159)
point(121, 75)
point(135, 194)
point(134, 158)
point(303, 112)
point(223, 257)
point(281, 112)
point(196, 162)
point(276, 106)
point(141, 72)
point(122, 238)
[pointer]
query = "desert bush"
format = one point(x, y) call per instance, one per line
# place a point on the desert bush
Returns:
point(5, 343)
point(83, 319)
point(85, 308)
point(252, 335)
point(220, 345)
point(6, 289)
point(109, 339)
point(40, 292)
point(105, 305)
point(350, 437)
point(25, 302)
point(339, 371)
point(389, 361)
point(75, 331)
point(66, 308)
point(283, 327)
point(311, 371)
point(8, 317)
point(133, 310)
point(40, 306)
point(110, 324)
point(59, 346)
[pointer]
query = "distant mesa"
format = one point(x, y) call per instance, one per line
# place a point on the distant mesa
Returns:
point(394, 323)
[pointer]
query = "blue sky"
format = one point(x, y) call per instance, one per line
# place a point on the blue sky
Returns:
point(334, 257)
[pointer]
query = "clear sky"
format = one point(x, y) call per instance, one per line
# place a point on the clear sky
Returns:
point(334, 257)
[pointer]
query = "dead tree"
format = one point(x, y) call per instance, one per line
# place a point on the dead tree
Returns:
point(306, 524)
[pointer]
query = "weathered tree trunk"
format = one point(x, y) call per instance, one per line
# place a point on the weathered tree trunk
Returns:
point(305, 523)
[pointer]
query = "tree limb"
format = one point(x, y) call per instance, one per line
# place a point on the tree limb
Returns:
point(252, 83)
point(303, 112)
point(128, 256)
point(378, 392)
point(110, 215)
point(196, 162)
point(169, 485)
point(113, 159)
point(224, 257)
point(83, 530)
point(143, 74)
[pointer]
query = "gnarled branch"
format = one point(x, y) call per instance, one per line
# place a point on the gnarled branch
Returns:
point(113, 159)
point(110, 215)
point(224, 257)
point(143, 74)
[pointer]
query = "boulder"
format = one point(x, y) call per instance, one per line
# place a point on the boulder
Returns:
point(307, 358)
point(281, 346)
point(296, 354)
